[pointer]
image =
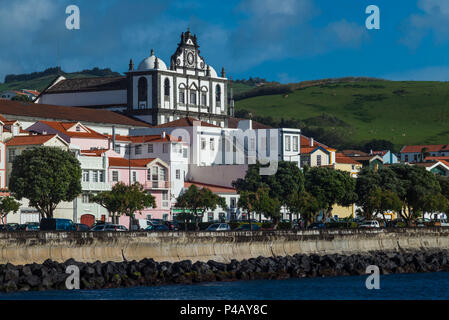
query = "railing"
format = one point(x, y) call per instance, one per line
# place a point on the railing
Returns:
point(96, 186)
point(157, 185)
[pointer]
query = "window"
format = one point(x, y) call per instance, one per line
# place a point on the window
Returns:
point(167, 87)
point(406, 158)
point(115, 176)
point(148, 216)
point(203, 144)
point(150, 148)
point(85, 198)
point(78, 128)
point(184, 153)
point(155, 175)
point(182, 96)
point(193, 97)
point(85, 176)
point(165, 217)
point(212, 144)
point(101, 176)
point(318, 160)
point(233, 202)
point(163, 173)
point(210, 216)
point(287, 143)
point(203, 99)
point(134, 176)
point(117, 148)
point(178, 174)
point(12, 154)
point(217, 93)
point(143, 90)
point(149, 174)
point(95, 176)
point(138, 149)
point(165, 148)
point(295, 144)
point(165, 195)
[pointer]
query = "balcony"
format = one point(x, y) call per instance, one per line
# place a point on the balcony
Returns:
point(157, 185)
point(95, 186)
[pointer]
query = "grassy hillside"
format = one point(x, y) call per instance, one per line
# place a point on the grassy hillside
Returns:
point(41, 83)
point(401, 112)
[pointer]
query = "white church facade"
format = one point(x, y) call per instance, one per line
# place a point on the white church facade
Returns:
point(153, 92)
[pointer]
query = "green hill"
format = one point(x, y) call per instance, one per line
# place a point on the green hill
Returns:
point(349, 112)
point(40, 80)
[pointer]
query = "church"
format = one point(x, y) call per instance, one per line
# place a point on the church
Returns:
point(154, 92)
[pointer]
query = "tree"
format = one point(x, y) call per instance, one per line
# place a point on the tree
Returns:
point(8, 205)
point(247, 202)
point(330, 187)
point(268, 206)
point(288, 179)
point(21, 97)
point(435, 203)
point(306, 205)
point(418, 184)
point(197, 201)
point(46, 176)
point(424, 153)
point(133, 199)
point(382, 201)
point(111, 200)
point(378, 145)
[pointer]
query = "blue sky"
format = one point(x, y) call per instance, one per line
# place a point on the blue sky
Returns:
point(282, 40)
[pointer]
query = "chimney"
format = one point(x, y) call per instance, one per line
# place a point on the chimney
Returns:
point(311, 142)
point(113, 137)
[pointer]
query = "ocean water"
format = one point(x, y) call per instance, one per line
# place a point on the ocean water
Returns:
point(421, 286)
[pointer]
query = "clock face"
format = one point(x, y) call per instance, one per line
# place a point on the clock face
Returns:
point(190, 58)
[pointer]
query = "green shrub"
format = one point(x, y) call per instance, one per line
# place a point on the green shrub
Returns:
point(285, 226)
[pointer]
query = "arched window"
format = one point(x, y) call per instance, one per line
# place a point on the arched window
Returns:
point(143, 89)
point(217, 93)
point(167, 87)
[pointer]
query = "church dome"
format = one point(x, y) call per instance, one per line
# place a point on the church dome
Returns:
point(149, 63)
point(213, 73)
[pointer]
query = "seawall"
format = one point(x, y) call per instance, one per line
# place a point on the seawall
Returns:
point(35, 247)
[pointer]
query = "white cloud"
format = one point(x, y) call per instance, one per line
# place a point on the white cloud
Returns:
point(431, 73)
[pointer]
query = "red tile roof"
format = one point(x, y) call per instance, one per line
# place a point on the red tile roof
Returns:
point(93, 153)
point(305, 142)
point(213, 188)
point(185, 122)
point(63, 127)
point(89, 84)
point(145, 139)
point(341, 158)
point(430, 148)
point(45, 111)
point(135, 163)
point(437, 158)
point(30, 140)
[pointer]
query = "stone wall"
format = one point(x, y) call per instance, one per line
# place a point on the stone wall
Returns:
point(28, 247)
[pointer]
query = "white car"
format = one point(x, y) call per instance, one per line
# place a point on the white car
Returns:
point(109, 227)
point(443, 222)
point(219, 227)
point(370, 224)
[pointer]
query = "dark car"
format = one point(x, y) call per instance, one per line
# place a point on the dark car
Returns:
point(5, 227)
point(32, 226)
point(172, 225)
point(48, 224)
point(246, 227)
point(21, 227)
point(157, 227)
point(81, 227)
point(317, 225)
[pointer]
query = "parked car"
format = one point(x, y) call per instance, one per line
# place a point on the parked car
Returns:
point(81, 227)
point(172, 225)
point(157, 227)
point(219, 227)
point(5, 227)
point(51, 224)
point(246, 227)
point(32, 226)
point(317, 225)
point(13, 226)
point(156, 221)
point(370, 224)
point(442, 223)
point(109, 227)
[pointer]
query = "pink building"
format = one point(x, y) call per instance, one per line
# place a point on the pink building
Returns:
point(154, 175)
point(75, 133)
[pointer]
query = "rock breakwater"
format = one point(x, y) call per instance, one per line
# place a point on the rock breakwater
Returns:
point(52, 275)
